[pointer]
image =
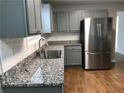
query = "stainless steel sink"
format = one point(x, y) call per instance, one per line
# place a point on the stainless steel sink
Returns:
point(50, 54)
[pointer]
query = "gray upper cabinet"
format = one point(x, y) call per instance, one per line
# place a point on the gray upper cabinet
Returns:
point(94, 13)
point(31, 16)
point(38, 15)
point(62, 21)
point(0, 18)
point(47, 19)
point(74, 21)
point(52, 21)
point(20, 18)
point(69, 21)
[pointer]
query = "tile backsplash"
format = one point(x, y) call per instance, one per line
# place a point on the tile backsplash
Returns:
point(12, 51)
point(11, 47)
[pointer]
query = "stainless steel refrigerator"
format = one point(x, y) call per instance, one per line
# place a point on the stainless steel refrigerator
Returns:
point(97, 43)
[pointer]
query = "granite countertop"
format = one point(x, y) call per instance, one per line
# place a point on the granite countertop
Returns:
point(33, 72)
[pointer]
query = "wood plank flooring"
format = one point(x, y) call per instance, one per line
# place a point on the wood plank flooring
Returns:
point(78, 80)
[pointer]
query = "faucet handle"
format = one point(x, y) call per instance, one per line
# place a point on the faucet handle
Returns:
point(42, 38)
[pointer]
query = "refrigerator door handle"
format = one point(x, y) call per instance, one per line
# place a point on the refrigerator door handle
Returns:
point(100, 29)
point(99, 36)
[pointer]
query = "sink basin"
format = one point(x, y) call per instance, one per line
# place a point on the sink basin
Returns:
point(51, 54)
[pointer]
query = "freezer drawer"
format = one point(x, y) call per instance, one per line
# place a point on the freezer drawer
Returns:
point(106, 60)
point(92, 60)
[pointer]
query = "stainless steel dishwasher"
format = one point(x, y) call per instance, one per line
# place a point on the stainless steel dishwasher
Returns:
point(73, 55)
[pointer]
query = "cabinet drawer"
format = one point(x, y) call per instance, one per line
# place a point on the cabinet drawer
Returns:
point(74, 47)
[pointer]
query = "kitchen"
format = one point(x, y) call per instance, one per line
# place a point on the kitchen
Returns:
point(40, 49)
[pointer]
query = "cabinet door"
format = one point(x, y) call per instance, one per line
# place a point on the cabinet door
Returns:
point(62, 21)
point(46, 18)
point(94, 13)
point(73, 55)
point(13, 18)
point(51, 17)
point(38, 15)
point(74, 20)
point(31, 17)
point(0, 19)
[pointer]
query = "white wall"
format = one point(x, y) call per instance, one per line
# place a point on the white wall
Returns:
point(14, 50)
point(120, 33)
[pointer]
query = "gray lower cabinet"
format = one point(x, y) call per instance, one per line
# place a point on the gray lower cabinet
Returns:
point(73, 55)
point(20, 18)
point(56, 89)
point(1, 91)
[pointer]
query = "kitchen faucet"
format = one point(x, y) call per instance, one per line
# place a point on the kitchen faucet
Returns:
point(42, 38)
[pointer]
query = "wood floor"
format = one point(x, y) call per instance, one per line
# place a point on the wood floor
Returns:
point(78, 80)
